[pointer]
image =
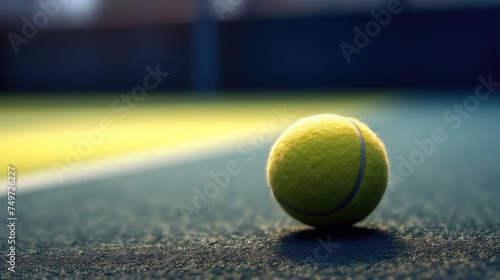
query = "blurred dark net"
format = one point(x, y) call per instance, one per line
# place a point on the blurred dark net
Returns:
point(210, 45)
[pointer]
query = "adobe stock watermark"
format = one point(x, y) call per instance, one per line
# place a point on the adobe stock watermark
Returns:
point(362, 37)
point(30, 28)
point(120, 106)
point(224, 6)
point(324, 249)
point(12, 217)
point(454, 118)
point(219, 180)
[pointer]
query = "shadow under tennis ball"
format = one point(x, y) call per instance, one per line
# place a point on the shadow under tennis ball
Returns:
point(347, 245)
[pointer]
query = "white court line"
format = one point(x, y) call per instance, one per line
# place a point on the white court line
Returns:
point(129, 163)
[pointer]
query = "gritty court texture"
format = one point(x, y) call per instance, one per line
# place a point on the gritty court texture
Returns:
point(438, 219)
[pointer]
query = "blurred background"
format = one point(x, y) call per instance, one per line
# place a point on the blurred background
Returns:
point(214, 45)
point(131, 106)
point(175, 74)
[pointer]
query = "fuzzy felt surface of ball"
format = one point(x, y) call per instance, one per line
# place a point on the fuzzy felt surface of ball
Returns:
point(328, 170)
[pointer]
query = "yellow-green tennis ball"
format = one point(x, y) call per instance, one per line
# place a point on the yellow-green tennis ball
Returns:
point(328, 170)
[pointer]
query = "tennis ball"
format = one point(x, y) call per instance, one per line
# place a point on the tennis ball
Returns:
point(328, 170)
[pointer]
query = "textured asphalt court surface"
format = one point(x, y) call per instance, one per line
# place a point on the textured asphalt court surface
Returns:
point(441, 222)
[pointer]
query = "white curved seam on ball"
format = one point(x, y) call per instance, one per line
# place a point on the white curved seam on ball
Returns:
point(356, 188)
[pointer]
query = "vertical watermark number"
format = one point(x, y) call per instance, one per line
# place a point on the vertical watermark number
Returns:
point(11, 217)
